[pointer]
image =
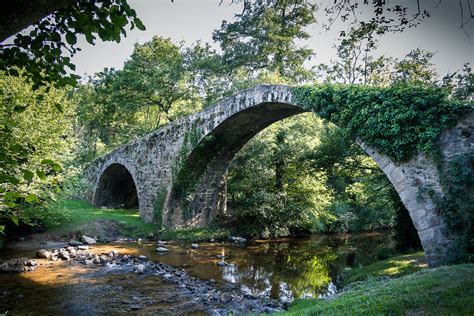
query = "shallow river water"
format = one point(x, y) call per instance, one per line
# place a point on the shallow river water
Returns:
point(282, 269)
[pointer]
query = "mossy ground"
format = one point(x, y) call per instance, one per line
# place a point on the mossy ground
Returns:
point(443, 291)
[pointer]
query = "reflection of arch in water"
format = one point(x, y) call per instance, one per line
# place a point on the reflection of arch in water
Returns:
point(116, 188)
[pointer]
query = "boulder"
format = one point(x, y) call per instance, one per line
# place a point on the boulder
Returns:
point(75, 243)
point(43, 253)
point(88, 240)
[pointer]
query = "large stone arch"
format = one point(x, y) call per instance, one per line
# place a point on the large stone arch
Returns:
point(179, 169)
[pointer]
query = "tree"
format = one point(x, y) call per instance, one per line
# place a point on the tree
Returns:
point(35, 136)
point(154, 87)
point(355, 62)
point(264, 36)
point(415, 68)
point(39, 50)
point(393, 16)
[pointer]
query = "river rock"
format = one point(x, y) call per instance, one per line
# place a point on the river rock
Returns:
point(88, 240)
point(142, 257)
point(75, 243)
point(222, 263)
point(64, 255)
point(238, 240)
point(194, 246)
point(83, 247)
point(226, 298)
point(140, 269)
point(43, 253)
point(162, 249)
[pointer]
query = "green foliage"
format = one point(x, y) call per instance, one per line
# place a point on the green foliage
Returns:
point(456, 205)
point(270, 191)
point(265, 36)
point(194, 234)
point(35, 137)
point(431, 291)
point(43, 51)
point(153, 88)
point(398, 121)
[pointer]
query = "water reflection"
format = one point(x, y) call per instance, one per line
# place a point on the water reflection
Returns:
point(285, 269)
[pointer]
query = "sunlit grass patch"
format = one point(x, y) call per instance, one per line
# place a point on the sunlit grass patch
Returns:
point(393, 267)
point(78, 212)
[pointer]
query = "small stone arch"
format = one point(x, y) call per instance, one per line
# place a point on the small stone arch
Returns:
point(116, 188)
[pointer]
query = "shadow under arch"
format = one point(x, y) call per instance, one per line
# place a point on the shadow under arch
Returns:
point(116, 188)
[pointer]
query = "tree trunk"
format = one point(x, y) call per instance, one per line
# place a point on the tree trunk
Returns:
point(16, 15)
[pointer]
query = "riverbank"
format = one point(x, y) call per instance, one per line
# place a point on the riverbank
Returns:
point(391, 288)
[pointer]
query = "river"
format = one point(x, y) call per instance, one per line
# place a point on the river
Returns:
point(283, 269)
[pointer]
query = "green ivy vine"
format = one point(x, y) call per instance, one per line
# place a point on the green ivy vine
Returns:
point(398, 120)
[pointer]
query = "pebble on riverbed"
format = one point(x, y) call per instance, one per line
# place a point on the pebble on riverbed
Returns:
point(162, 249)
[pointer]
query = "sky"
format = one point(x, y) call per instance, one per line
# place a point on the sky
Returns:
point(192, 20)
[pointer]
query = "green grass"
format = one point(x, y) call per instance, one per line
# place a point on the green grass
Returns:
point(393, 267)
point(443, 291)
point(76, 213)
point(194, 234)
point(79, 212)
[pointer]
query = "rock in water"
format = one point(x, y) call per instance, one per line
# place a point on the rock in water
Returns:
point(226, 298)
point(43, 253)
point(194, 246)
point(162, 249)
point(238, 240)
point(222, 263)
point(142, 257)
point(88, 240)
point(75, 243)
point(140, 269)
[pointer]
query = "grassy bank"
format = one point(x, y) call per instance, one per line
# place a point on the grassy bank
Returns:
point(393, 267)
point(443, 291)
point(80, 216)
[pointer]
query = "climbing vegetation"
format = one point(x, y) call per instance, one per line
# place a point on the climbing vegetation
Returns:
point(399, 120)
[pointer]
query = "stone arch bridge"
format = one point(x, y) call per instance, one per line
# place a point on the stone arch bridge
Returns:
point(176, 175)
